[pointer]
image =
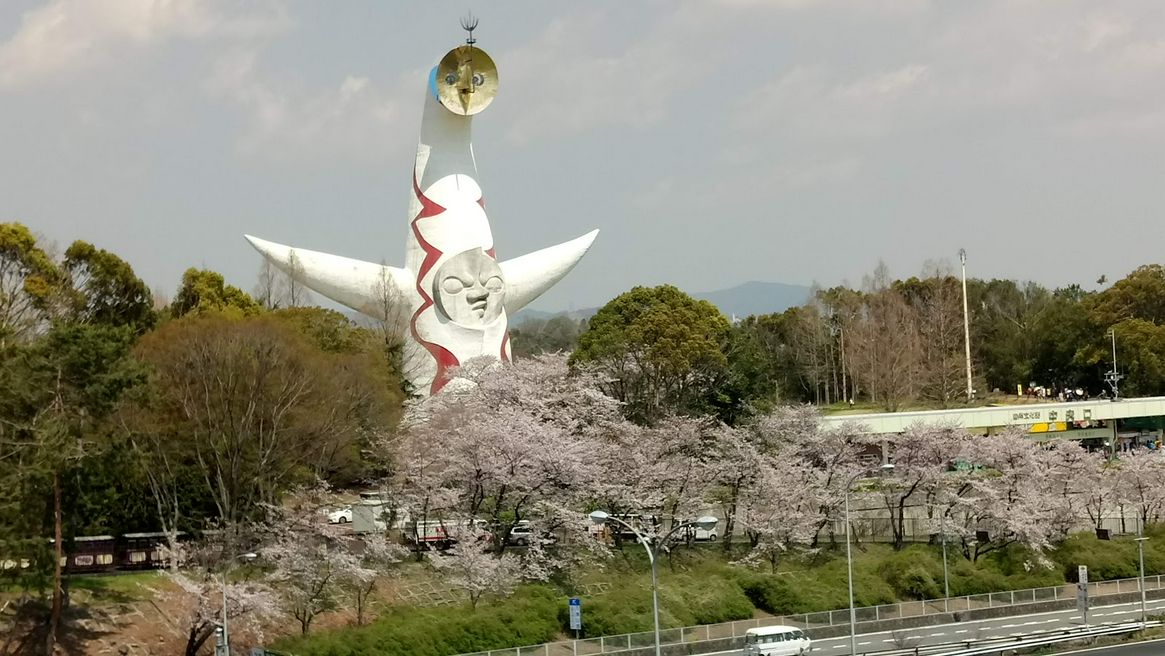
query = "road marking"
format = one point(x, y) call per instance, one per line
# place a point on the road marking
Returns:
point(963, 631)
point(937, 634)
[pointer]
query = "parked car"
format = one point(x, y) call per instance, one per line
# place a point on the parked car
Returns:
point(341, 516)
point(522, 535)
point(702, 534)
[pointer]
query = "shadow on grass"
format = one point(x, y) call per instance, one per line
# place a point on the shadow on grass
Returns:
point(24, 629)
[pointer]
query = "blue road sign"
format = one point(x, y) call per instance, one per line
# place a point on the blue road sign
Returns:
point(575, 614)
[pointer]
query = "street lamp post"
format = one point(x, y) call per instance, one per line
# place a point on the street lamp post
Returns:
point(1141, 554)
point(224, 646)
point(966, 324)
point(849, 564)
point(650, 544)
point(946, 578)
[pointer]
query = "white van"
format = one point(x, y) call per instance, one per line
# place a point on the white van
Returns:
point(776, 641)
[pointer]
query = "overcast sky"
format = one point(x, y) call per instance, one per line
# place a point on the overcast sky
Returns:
point(712, 142)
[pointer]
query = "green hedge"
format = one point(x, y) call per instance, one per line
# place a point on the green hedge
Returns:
point(530, 616)
point(684, 600)
point(1108, 559)
point(705, 590)
point(825, 589)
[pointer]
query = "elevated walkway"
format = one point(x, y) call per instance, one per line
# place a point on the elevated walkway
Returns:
point(1075, 417)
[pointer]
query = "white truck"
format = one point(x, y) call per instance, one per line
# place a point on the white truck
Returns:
point(443, 533)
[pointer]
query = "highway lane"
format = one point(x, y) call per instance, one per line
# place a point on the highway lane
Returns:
point(1002, 627)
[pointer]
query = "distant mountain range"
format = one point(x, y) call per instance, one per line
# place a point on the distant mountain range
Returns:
point(753, 297)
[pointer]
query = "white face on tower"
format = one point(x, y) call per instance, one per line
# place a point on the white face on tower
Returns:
point(469, 289)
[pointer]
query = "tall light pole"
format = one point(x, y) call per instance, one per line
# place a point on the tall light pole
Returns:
point(849, 564)
point(1113, 377)
point(224, 647)
point(966, 324)
point(946, 577)
point(1141, 553)
point(650, 544)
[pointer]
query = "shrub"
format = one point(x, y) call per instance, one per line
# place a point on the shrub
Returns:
point(1115, 559)
point(824, 589)
point(684, 600)
point(914, 573)
point(530, 616)
point(714, 600)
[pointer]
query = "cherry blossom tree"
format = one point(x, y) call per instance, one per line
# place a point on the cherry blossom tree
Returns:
point(1009, 497)
point(311, 561)
point(780, 510)
point(920, 456)
point(833, 456)
point(738, 465)
point(1069, 468)
point(1141, 482)
point(375, 559)
point(512, 438)
point(197, 594)
point(1098, 487)
point(472, 568)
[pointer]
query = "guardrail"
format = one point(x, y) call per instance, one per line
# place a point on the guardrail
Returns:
point(994, 645)
point(840, 617)
point(1046, 638)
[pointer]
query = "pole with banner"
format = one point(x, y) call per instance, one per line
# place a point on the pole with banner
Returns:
point(1082, 592)
point(575, 615)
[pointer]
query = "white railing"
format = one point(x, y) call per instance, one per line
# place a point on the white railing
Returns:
point(840, 617)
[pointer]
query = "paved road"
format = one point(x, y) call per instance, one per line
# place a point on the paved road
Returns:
point(1148, 648)
point(1003, 627)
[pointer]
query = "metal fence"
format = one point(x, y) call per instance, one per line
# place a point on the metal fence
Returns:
point(615, 643)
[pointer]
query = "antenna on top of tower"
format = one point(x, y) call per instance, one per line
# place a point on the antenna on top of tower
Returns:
point(469, 24)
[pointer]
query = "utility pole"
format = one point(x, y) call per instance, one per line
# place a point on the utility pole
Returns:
point(966, 324)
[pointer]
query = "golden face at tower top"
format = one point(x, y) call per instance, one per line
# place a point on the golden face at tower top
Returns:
point(466, 80)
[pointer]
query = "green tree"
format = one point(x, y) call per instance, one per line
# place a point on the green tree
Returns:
point(1141, 357)
point(760, 370)
point(29, 284)
point(661, 350)
point(258, 407)
point(1063, 330)
point(57, 393)
point(1004, 331)
point(1139, 295)
point(106, 290)
point(204, 291)
point(536, 336)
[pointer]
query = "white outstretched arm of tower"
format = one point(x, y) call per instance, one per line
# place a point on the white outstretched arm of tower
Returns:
point(363, 286)
point(528, 276)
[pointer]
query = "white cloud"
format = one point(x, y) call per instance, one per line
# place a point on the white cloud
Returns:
point(818, 103)
point(884, 85)
point(65, 37)
point(575, 78)
point(354, 116)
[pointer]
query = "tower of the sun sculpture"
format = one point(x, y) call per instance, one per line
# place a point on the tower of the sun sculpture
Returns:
point(451, 299)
